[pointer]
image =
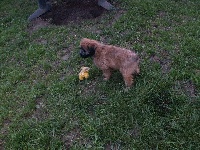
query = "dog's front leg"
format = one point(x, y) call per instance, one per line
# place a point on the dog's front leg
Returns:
point(106, 74)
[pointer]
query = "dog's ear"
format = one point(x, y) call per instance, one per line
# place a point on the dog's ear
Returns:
point(88, 47)
point(88, 43)
point(91, 50)
point(89, 53)
point(92, 44)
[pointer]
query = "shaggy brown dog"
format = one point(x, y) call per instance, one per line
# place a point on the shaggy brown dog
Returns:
point(108, 57)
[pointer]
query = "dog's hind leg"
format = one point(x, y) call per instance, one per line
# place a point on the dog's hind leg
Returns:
point(128, 79)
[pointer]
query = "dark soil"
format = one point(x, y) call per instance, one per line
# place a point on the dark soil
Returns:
point(4, 131)
point(63, 12)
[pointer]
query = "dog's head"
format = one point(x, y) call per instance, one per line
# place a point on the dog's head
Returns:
point(88, 47)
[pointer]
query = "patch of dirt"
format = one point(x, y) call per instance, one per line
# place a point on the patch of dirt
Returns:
point(162, 15)
point(88, 88)
point(117, 17)
point(112, 146)
point(40, 112)
point(63, 12)
point(41, 41)
point(188, 88)
point(6, 124)
point(197, 71)
point(71, 137)
point(37, 24)
point(64, 54)
point(163, 60)
point(101, 100)
point(38, 73)
point(1, 144)
point(135, 132)
point(4, 131)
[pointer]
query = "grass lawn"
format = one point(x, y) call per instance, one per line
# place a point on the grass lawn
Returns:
point(43, 105)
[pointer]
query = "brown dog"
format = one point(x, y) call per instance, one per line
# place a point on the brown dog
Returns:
point(108, 57)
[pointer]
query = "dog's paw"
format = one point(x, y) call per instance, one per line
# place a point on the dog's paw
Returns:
point(126, 89)
point(105, 79)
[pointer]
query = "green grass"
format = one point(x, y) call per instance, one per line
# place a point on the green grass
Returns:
point(45, 106)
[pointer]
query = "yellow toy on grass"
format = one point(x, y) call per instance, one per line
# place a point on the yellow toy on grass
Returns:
point(84, 73)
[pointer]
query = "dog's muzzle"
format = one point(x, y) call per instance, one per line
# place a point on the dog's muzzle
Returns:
point(83, 53)
point(86, 54)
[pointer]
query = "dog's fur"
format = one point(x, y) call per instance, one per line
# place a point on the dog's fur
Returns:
point(108, 57)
